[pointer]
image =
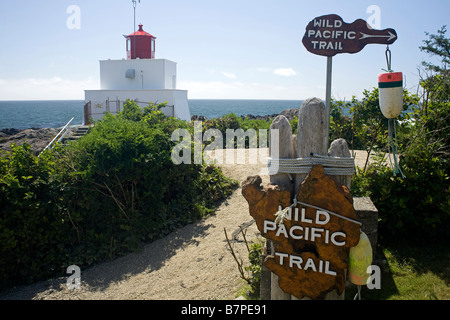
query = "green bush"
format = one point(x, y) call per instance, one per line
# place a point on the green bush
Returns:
point(240, 127)
point(416, 206)
point(419, 204)
point(255, 255)
point(32, 216)
point(99, 197)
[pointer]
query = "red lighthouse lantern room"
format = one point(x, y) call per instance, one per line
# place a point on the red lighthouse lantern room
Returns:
point(140, 44)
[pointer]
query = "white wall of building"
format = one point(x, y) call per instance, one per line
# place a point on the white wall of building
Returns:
point(176, 98)
point(149, 74)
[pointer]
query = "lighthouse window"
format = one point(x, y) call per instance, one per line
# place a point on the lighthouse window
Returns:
point(153, 45)
point(128, 44)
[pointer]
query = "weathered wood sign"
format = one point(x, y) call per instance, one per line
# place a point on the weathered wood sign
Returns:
point(329, 35)
point(313, 242)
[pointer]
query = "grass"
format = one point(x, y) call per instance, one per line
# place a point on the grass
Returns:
point(416, 271)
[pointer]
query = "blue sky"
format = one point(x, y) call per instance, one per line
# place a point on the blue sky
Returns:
point(246, 49)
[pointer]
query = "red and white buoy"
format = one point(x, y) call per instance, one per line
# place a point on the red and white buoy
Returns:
point(390, 95)
point(390, 85)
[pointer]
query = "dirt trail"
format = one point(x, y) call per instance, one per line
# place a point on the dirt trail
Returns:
point(192, 263)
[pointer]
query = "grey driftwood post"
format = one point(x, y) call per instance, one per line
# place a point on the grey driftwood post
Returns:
point(281, 146)
point(339, 148)
point(312, 138)
point(312, 132)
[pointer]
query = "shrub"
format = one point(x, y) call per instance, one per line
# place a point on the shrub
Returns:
point(416, 206)
point(419, 204)
point(99, 197)
point(32, 216)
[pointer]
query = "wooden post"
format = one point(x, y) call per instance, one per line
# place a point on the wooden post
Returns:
point(339, 148)
point(280, 147)
point(312, 137)
point(312, 133)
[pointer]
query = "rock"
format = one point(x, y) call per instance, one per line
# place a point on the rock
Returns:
point(198, 118)
point(36, 138)
point(288, 113)
point(10, 131)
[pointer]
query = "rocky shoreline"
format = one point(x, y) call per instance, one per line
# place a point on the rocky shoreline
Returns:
point(37, 138)
point(288, 113)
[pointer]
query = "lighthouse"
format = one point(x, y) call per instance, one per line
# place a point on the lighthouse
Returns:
point(140, 77)
point(140, 45)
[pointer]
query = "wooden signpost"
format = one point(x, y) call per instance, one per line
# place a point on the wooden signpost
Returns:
point(308, 249)
point(329, 35)
point(312, 243)
point(306, 212)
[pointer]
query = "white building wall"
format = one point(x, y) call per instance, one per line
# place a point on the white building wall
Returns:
point(176, 98)
point(149, 74)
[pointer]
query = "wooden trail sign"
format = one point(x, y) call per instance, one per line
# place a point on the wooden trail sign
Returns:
point(329, 35)
point(321, 261)
point(312, 244)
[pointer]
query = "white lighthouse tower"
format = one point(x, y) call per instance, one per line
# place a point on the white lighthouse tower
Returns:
point(141, 78)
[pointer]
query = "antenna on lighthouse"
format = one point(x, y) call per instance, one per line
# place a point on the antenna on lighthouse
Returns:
point(134, 27)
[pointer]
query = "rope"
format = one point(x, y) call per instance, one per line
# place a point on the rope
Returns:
point(388, 59)
point(337, 166)
point(393, 148)
point(281, 214)
point(358, 294)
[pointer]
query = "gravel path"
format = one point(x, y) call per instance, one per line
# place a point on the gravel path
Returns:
point(192, 263)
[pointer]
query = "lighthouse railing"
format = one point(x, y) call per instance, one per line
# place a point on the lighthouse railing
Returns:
point(106, 106)
point(61, 134)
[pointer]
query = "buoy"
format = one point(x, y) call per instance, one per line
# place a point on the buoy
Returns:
point(390, 96)
point(360, 258)
point(390, 86)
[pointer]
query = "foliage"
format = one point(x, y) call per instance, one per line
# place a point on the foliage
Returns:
point(415, 270)
point(415, 206)
point(419, 205)
point(252, 274)
point(341, 122)
point(255, 259)
point(240, 130)
point(33, 219)
point(439, 46)
point(99, 197)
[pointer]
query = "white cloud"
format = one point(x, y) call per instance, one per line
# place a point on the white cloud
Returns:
point(53, 88)
point(285, 72)
point(229, 75)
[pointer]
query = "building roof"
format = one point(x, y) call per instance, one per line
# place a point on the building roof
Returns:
point(141, 32)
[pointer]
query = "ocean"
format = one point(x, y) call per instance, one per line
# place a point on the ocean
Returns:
point(56, 113)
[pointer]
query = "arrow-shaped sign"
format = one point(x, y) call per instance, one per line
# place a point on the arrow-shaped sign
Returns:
point(329, 35)
point(390, 36)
